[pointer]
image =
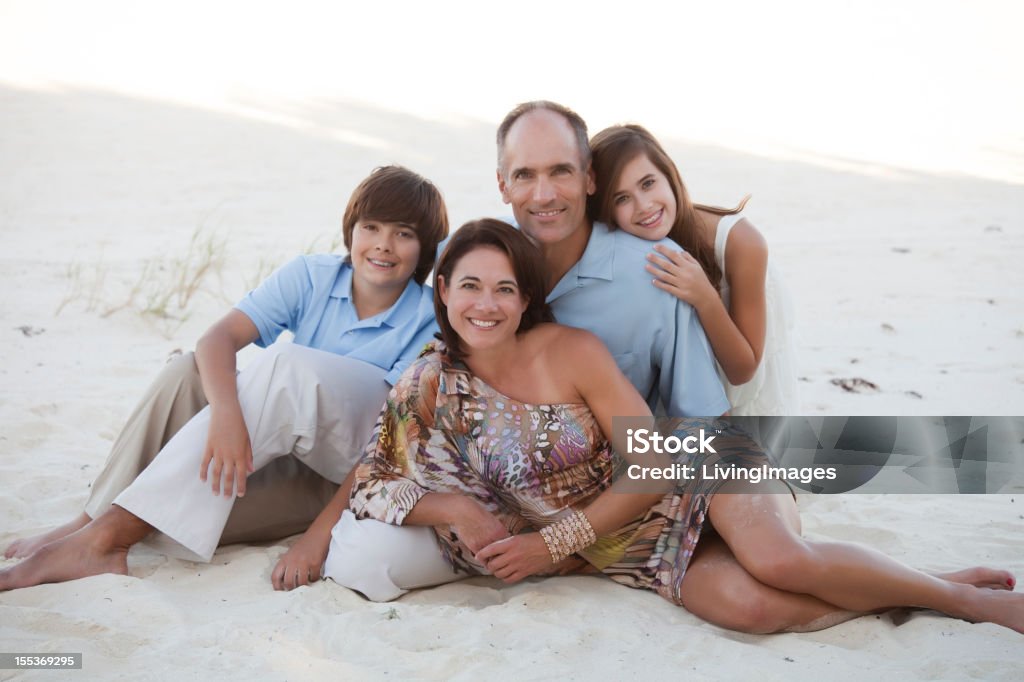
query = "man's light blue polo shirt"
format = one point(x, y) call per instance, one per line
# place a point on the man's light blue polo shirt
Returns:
point(311, 296)
point(656, 339)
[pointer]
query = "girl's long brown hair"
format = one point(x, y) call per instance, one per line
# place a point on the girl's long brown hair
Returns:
point(611, 150)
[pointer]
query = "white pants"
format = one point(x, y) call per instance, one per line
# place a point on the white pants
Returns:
point(298, 401)
point(384, 561)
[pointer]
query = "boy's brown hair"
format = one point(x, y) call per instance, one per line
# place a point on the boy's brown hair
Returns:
point(394, 194)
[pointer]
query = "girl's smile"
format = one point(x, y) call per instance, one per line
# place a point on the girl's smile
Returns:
point(643, 203)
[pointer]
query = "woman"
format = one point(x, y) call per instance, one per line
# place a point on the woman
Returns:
point(723, 271)
point(495, 440)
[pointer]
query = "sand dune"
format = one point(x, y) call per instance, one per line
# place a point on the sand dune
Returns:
point(907, 280)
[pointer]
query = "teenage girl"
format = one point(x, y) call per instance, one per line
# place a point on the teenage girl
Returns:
point(723, 271)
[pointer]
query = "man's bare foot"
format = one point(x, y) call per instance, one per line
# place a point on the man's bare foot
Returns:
point(980, 576)
point(24, 547)
point(101, 547)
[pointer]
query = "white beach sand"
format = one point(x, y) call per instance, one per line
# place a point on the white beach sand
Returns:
point(906, 275)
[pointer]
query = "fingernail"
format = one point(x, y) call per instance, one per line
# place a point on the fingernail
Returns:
point(1011, 582)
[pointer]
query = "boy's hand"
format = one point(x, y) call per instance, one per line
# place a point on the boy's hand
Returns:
point(228, 453)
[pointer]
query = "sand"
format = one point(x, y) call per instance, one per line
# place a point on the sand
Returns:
point(908, 279)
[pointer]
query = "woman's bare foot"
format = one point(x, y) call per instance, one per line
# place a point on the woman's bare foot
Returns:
point(980, 576)
point(24, 547)
point(101, 547)
point(1001, 608)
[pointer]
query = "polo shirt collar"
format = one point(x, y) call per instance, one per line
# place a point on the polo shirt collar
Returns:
point(343, 282)
point(597, 262)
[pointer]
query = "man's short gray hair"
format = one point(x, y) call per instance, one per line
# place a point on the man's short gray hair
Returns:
point(575, 121)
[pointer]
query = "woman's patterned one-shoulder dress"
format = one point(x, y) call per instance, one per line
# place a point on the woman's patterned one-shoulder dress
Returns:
point(444, 430)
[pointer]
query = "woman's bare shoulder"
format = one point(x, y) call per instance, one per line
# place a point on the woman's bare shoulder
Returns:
point(569, 345)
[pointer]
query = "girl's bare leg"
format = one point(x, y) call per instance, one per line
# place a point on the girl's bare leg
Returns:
point(24, 547)
point(760, 525)
point(100, 547)
point(717, 589)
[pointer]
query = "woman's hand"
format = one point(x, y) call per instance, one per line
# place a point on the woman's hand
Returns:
point(475, 526)
point(302, 563)
point(517, 557)
point(679, 273)
point(228, 452)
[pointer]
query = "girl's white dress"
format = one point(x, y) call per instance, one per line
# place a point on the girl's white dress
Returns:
point(773, 389)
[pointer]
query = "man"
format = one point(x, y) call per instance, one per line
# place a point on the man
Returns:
point(596, 276)
point(596, 281)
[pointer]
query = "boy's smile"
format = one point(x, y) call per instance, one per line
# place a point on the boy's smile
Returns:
point(384, 257)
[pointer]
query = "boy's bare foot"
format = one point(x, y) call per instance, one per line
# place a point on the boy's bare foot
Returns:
point(980, 576)
point(65, 559)
point(23, 547)
point(101, 547)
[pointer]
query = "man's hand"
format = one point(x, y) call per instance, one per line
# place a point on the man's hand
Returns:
point(228, 453)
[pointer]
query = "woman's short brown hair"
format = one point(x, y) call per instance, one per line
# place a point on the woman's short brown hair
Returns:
point(527, 265)
point(393, 194)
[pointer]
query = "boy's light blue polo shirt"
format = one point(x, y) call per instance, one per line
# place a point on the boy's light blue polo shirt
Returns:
point(656, 339)
point(311, 296)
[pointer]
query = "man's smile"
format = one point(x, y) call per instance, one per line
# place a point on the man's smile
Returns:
point(550, 213)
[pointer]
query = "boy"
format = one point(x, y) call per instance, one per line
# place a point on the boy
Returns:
point(359, 321)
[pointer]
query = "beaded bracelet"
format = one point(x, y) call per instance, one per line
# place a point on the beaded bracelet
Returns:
point(568, 536)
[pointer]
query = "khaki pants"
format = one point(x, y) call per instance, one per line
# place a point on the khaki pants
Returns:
point(282, 498)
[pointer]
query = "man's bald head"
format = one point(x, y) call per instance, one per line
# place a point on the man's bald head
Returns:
point(544, 175)
point(575, 121)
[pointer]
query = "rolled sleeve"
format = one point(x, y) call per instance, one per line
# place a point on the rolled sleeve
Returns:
point(385, 499)
point(277, 303)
